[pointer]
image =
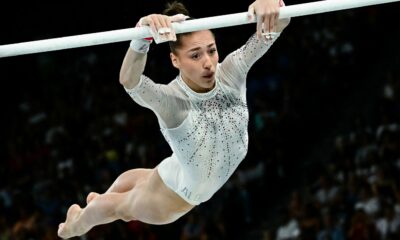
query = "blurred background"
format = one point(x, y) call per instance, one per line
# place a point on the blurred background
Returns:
point(324, 154)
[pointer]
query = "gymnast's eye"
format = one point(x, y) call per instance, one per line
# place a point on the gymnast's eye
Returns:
point(195, 56)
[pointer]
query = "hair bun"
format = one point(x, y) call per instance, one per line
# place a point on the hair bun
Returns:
point(174, 8)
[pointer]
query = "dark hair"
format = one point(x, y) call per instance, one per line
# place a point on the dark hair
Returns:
point(171, 9)
point(174, 8)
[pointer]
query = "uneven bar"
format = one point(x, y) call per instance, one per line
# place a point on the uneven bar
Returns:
point(128, 34)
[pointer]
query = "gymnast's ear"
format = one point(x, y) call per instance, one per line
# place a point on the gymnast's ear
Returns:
point(174, 60)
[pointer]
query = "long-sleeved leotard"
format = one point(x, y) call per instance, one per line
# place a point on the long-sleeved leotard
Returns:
point(207, 132)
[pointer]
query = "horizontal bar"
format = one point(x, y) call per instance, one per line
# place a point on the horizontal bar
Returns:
point(221, 21)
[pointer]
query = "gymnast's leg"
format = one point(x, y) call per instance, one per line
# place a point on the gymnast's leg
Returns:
point(149, 201)
point(125, 182)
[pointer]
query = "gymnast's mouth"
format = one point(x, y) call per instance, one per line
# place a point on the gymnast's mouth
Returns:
point(208, 75)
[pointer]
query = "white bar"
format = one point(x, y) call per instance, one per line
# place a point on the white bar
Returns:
point(187, 26)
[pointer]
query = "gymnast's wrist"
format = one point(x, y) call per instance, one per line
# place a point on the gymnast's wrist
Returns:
point(140, 45)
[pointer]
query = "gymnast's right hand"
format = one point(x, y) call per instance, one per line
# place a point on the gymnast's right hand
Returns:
point(160, 26)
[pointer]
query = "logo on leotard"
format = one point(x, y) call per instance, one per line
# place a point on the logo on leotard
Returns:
point(188, 194)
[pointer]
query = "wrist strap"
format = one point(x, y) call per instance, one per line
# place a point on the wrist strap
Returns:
point(140, 45)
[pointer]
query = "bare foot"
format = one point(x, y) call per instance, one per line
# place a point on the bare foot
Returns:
point(69, 228)
point(91, 196)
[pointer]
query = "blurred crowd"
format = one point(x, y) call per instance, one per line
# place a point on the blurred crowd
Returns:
point(71, 129)
point(354, 192)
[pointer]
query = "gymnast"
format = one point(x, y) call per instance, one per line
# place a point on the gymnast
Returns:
point(202, 115)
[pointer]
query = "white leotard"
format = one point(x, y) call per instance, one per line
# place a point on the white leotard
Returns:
point(207, 132)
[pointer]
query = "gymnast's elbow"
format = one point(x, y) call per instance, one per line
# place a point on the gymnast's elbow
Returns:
point(127, 81)
point(132, 69)
point(129, 77)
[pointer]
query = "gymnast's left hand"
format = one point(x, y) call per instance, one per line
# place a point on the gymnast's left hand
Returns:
point(267, 16)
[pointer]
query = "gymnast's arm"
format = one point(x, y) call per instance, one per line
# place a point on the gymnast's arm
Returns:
point(142, 89)
point(236, 65)
point(135, 59)
point(134, 64)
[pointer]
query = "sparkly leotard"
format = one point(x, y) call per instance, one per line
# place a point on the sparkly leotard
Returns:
point(207, 132)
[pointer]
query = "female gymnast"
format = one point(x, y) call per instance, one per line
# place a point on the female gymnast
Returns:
point(202, 114)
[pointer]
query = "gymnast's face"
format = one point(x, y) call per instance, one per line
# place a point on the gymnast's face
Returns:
point(196, 59)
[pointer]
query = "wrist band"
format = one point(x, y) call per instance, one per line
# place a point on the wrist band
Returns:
point(140, 45)
point(270, 35)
